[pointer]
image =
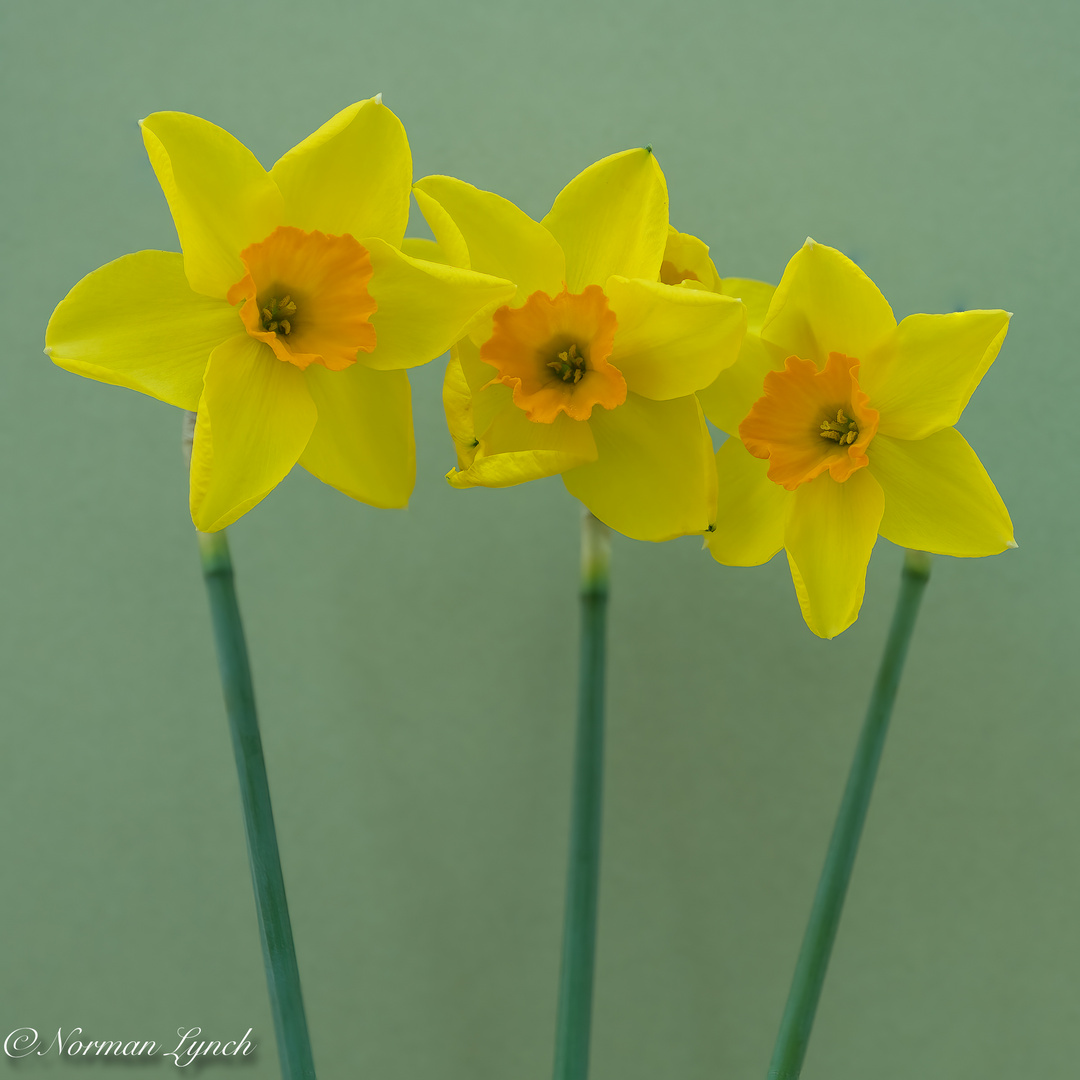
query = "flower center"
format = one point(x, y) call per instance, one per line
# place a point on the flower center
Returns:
point(569, 366)
point(785, 425)
point(305, 294)
point(841, 430)
point(553, 353)
point(276, 315)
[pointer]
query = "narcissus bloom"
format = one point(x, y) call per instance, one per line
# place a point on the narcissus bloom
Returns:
point(844, 424)
point(590, 369)
point(288, 320)
point(687, 263)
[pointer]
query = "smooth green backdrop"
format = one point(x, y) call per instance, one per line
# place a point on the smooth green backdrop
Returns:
point(416, 669)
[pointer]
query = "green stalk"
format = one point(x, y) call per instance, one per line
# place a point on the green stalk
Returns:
point(802, 1002)
point(275, 929)
point(583, 873)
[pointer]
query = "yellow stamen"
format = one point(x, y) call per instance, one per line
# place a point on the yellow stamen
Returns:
point(570, 366)
point(841, 430)
point(273, 316)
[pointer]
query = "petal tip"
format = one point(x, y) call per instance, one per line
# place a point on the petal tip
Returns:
point(378, 98)
point(648, 147)
point(1011, 543)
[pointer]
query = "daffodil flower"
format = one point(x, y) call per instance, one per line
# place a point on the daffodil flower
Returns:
point(288, 320)
point(845, 431)
point(590, 369)
point(687, 263)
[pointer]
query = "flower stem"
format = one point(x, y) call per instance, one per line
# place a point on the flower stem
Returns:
point(275, 929)
point(583, 873)
point(802, 1002)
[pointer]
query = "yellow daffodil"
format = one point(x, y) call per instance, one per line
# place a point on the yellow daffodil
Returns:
point(289, 319)
point(845, 431)
point(687, 263)
point(590, 369)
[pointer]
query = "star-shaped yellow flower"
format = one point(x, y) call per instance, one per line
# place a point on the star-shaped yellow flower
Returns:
point(590, 368)
point(842, 429)
point(289, 319)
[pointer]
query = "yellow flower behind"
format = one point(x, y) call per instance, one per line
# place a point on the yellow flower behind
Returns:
point(590, 369)
point(687, 263)
point(842, 429)
point(288, 321)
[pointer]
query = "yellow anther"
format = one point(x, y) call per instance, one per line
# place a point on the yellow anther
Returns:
point(570, 366)
point(841, 430)
point(273, 315)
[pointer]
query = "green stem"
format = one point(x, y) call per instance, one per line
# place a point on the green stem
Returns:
point(583, 874)
point(791, 1043)
point(275, 930)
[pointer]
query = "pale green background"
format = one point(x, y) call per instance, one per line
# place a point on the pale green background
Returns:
point(416, 669)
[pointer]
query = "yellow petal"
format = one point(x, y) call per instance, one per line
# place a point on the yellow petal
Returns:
point(830, 533)
point(487, 398)
point(137, 323)
point(429, 250)
point(654, 478)
point(938, 497)
point(687, 262)
point(728, 399)
point(612, 219)
point(363, 441)
point(512, 449)
point(351, 176)
point(457, 404)
point(423, 307)
point(502, 240)
point(825, 303)
point(672, 341)
point(221, 198)
point(921, 381)
point(254, 420)
point(447, 235)
point(750, 509)
point(756, 295)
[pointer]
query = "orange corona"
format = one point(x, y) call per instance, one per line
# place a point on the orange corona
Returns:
point(553, 352)
point(808, 421)
point(305, 294)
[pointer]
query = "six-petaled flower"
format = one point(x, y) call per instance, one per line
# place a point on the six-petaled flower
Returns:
point(288, 320)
